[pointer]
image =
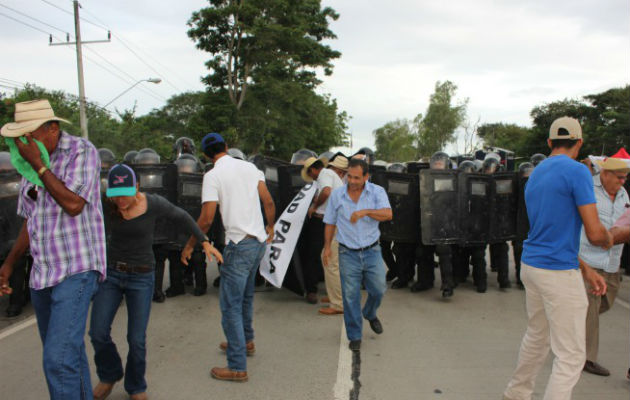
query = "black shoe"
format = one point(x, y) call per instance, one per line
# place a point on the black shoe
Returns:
point(170, 292)
point(593, 368)
point(13, 310)
point(448, 292)
point(481, 289)
point(400, 284)
point(158, 296)
point(505, 285)
point(376, 326)
point(188, 281)
point(520, 285)
point(418, 287)
point(199, 291)
point(355, 345)
point(217, 282)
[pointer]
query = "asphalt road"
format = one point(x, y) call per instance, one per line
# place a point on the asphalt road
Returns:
point(461, 348)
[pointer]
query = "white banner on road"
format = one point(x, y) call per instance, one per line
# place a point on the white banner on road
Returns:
point(275, 263)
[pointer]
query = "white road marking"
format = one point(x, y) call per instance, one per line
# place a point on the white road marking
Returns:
point(344, 384)
point(18, 327)
point(622, 303)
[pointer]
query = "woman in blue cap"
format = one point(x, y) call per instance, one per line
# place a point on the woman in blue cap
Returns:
point(130, 219)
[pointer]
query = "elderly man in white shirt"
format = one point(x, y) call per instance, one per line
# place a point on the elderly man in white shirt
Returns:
point(612, 201)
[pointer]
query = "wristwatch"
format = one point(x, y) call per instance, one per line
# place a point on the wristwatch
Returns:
point(42, 170)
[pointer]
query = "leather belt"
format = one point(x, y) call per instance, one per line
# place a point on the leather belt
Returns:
point(361, 249)
point(131, 268)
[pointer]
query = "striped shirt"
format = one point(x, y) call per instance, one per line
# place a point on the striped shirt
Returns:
point(609, 212)
point(62, 245)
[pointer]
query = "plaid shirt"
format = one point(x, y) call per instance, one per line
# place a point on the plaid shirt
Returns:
point(62, 245)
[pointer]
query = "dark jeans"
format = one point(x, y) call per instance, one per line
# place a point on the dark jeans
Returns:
point(426, 265)
point(236, 297)
point(61, 312)
point(426, 275)
point(499, 259)
point(405, 261)
point(517, 249)
point(312, 245)
point(137, 288)
point(472, 255)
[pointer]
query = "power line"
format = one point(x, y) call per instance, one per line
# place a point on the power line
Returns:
point(71, 13)
point(25, 23)
point(35, 19)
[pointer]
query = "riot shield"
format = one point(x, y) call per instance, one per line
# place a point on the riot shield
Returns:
point(290, 182)
point(414, 167)
point(474, 208)
point(439, 208)
point(373, 169)
point(503, 207)
point(188, 199)
point(522, 220)
point(160, 179)
point(269, 166)
point(10, 222)
point(402, 191)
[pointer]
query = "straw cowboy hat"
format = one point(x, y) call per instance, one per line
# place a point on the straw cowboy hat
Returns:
point(614, 164)
point(309, 163)
point(29, 115)
point(339, 162)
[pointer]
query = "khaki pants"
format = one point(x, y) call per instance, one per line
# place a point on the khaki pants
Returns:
point(331, 277)
point(599, 305)
point(556, 309)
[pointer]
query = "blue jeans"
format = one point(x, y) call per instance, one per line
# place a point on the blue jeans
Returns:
point(61, 313)
point(236, 295)
point(356, 267)
point(138, 292)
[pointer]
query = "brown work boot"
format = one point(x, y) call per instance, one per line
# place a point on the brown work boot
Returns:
point(139, 396)
point(102, 390)
point(226, 374)
point(594, 368)
point(249, 346)
point(329, 311)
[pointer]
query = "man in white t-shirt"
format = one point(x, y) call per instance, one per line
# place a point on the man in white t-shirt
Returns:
point(238, 187)
point(327, 181)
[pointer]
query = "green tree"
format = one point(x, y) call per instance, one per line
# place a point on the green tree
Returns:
point(395, 141)
point(507, 136)
point(262, 80)
point(542, 118)
point(608, 121)
point(442, 118)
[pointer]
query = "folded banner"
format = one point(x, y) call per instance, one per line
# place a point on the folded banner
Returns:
point(275, 263)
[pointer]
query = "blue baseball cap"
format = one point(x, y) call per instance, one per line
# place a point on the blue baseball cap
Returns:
point(210, 139)
point(121, 181)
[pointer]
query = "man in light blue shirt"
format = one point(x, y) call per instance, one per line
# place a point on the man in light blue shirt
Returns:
point(355, 210)
point(612, 200)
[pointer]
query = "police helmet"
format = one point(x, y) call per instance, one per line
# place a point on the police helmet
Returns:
point(491, 165)
point(187, 163)
point(478, 165)
point(302, 155)
point(326, 156)
point(147, 156)
point(525, 169)
point(439, 160)
point(130, 157)
point(467, 166)
point(108, 159)
point(365, 153)
point(397, 167)
point(380, 163)
point(184, 145)
point(236, 153)
point(5, 161)
point(537, 159)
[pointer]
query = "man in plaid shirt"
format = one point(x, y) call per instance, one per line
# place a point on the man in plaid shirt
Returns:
point(64, 230)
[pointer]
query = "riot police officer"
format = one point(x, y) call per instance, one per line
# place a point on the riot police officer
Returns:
point(300, 156)
point(537, 159)
point(524, 170)
point(439, 160)
point(130, 157)
point(108, 159)
point(498, 251)
point(365, 153)
point(467, 255)
point(10, 224)
point(236, 153)
point(183, 145)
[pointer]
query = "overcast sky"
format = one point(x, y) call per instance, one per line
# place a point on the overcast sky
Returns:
point(506, 56)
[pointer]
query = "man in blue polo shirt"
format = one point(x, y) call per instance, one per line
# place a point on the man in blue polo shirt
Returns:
point(560, 198)
point(355, 210)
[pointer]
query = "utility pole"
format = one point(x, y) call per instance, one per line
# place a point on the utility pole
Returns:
point(78, 43)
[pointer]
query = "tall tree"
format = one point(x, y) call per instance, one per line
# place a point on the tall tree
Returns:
point(395, 141)
point(442, 118)
point(507, 136)
point(265, 54)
